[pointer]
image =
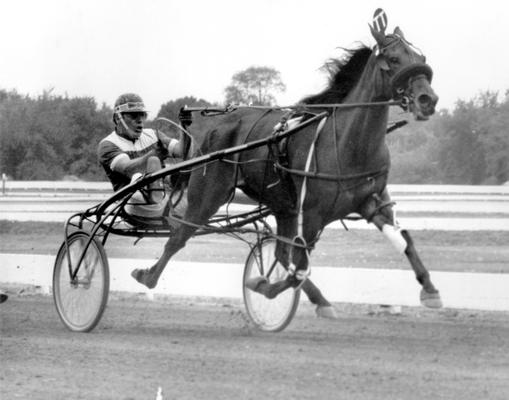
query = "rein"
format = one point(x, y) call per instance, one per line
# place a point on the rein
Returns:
point(211, 111)
point(351, 105)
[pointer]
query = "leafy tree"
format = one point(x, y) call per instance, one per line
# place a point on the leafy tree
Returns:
point(414, 154)
point(462, 156)
point(255, 86)
point(14, 138)
point(86, 125)
point(172, 108)
point(51, 136)
point(468, 146)
point(493, 136)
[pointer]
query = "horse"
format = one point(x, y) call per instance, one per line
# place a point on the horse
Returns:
point(331, 168)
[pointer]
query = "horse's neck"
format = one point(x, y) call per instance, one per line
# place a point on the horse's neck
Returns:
point(361, 132)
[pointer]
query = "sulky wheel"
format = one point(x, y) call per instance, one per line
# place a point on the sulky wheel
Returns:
point(81, 301)
point(272, 315)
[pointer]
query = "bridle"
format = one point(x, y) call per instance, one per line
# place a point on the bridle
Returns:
point(401, 82)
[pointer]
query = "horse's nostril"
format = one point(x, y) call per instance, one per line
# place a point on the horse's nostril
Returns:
point(425, 100)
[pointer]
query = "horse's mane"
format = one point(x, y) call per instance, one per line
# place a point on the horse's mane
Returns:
point(344, 72)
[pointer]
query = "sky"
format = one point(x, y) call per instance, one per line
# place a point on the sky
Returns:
point(166, 49)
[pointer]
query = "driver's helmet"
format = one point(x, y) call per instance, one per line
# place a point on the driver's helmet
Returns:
point(129, 102)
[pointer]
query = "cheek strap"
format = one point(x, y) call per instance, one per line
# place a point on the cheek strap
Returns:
point(124, 124)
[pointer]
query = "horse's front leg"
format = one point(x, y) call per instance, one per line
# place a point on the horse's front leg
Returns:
point(383, 218)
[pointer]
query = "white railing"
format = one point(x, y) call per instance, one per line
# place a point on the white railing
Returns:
point(9, 186)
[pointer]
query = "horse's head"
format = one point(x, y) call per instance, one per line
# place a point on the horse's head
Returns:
point(408, 74)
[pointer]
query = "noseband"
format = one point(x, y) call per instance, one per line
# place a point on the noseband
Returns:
point(401, 81)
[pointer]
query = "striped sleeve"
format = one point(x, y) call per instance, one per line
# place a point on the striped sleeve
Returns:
point(109, 154)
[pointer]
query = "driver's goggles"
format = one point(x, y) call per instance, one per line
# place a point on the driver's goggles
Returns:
point(135, 115)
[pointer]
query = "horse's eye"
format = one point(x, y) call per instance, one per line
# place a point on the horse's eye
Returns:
point(394, 60)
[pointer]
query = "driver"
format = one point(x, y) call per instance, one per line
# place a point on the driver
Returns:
point(131, 151)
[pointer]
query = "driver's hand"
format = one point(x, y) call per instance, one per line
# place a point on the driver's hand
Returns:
point(162, 148)
point(163, 139)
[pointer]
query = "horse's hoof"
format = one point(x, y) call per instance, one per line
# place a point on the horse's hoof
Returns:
point(141, 276)
point(431, 300)
point(3, 297)
point(254, 283)
point(326, 312)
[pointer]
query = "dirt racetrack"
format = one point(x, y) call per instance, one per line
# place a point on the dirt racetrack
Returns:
point(198, 350)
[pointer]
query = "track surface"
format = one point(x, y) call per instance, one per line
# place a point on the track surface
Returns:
point(198, 350)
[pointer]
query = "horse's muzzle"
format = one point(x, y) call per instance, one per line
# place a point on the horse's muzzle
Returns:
point(422, 98)
point(414, 83)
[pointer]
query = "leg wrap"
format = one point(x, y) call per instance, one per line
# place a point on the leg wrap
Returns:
point(395, 237)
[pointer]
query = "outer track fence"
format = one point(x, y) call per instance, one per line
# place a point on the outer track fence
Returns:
point(452, 207)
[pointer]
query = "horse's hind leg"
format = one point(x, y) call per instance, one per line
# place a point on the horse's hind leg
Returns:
point(383, 218)
point(323, 309)
point(286, 227)
point(206, 193)
point(312, 226)
point(150, 276)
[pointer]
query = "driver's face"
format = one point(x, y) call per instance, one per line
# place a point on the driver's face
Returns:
point(135, 122)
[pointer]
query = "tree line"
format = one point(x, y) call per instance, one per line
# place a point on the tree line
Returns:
point(52, 137)
point(468, 145)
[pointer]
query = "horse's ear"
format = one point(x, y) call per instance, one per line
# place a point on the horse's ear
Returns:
point(399, 32)
point(378, 35)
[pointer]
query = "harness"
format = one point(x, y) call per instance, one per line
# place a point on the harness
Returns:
point(278, 152)
point(279, 158)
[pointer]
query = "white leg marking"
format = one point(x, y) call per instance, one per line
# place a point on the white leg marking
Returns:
point(395, 237)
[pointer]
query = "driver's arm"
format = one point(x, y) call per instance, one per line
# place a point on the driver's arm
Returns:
point(174, 146)
point(128, 167)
